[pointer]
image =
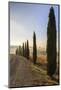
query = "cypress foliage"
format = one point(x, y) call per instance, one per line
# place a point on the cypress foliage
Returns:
point(17, 51)
point(34, 48)
point(51, 43)
point(27, 49)
point(23, 49)
point(25, 52)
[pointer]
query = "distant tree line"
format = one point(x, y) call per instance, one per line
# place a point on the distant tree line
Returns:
point(51, 45)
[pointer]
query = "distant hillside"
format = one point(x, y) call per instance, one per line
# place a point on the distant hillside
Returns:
point(39, 50)
point(13, 49)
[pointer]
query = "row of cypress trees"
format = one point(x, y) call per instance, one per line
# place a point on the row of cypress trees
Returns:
point(51, 45)
point(19, 51)
point(26, 51)
point(25, 48)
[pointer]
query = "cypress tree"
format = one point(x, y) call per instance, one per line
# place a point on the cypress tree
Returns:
point(17, 51)
point(23, 49)
point(34, 48)
point(27, 49)
point(51, 43)
point(25, 52)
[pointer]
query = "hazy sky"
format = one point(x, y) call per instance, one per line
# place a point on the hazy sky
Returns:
point(27, 18)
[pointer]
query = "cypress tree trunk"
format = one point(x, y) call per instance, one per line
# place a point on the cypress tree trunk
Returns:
point(51, 43)
point(34, 48)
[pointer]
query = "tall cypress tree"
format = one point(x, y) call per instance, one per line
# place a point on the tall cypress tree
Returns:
point(19, 50)
point(27, 49)
point(23, 49)
point(16, 51)
point(51, 43)
point(34, 48)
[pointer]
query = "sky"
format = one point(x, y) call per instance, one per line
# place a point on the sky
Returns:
point(25, 18)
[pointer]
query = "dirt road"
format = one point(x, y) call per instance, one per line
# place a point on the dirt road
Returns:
point(24, 73)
